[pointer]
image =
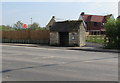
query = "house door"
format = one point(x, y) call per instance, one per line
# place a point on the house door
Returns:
point(64, 38)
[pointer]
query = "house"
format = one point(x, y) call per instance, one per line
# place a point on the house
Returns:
point(68, 33)
point(52, 21)
point(94, 23)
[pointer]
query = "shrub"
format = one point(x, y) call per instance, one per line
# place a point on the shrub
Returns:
point(113, 33)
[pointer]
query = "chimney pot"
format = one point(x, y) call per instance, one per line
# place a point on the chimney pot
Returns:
point(82, 13)
point(53, 16)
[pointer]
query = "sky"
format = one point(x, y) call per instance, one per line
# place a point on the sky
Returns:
point(119, 8)
point(42, 12)
point(59, 0)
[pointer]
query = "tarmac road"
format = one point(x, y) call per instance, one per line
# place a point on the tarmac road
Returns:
point(21, 63)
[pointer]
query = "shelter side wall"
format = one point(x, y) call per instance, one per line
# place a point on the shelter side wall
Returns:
point(54, 38)
point(82, 36)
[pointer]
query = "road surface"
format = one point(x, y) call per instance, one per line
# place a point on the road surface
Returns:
point(22, 63)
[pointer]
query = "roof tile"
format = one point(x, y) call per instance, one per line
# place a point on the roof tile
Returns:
point(93, 18)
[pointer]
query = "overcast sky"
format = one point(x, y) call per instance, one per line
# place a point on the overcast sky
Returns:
point(41, 12)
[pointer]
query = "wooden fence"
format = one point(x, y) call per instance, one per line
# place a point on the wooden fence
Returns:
point(26, 36)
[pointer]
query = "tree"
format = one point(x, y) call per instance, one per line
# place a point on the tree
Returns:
point(118, 31)
point(113, 33)
point(18, 25)
point(34, 26)
point(5, 28)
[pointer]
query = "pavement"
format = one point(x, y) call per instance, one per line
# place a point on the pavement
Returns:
point(88, 47)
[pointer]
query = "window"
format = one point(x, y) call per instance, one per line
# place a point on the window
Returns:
point(86, 23)
point(95, 24)
point(50, 26)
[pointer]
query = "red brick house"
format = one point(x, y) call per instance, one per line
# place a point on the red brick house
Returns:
point(94, 23)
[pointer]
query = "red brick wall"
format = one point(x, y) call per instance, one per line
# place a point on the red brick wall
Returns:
point(90, 26)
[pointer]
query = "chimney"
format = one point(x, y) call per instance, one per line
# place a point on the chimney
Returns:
point(53, 17)
point(82, 13)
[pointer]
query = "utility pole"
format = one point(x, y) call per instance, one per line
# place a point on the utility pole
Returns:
point(31, 21)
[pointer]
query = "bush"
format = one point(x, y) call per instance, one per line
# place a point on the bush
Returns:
point(113, 33)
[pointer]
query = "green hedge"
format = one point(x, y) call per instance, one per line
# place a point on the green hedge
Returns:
point(96, 39)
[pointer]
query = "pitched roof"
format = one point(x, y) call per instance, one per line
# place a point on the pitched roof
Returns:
point(66, 26)
point(93, 18)
point(53, 20)
point(58, 19)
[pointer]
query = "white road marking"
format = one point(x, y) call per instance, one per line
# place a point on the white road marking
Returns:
point(44, 57)
point(48, 57)
point(100, 61)
point(87, 61)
